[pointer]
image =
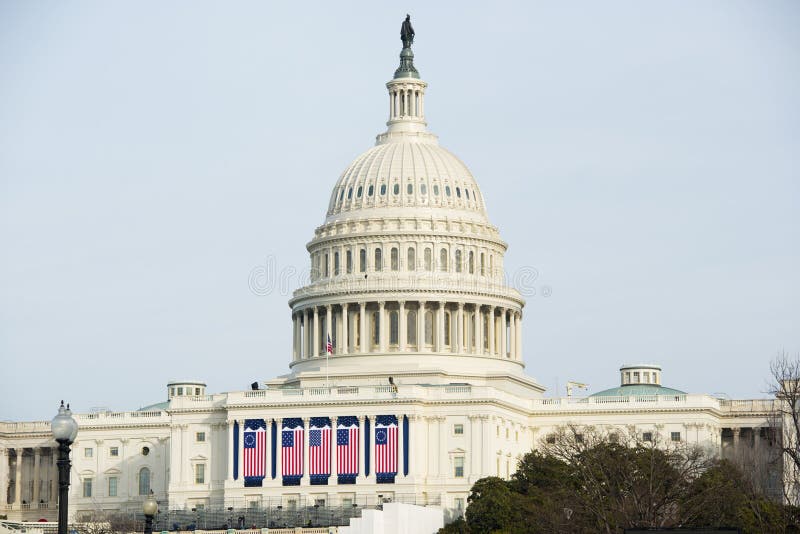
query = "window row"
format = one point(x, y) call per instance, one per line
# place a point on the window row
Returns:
point(360, 191)
point(113, 484)
point(334, 262)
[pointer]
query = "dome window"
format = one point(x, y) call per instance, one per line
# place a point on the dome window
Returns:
point(370, 191)
point(458, 192)
point(436, 190)
point(349, 193)
point(423, 189)
point(466, 192)
point(383, 189)
point(341, 195)
point(410, 189)
point(447, 190)
point(360, 190)
point(396, 189)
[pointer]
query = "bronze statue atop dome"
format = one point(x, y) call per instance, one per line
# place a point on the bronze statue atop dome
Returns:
point(407, 32)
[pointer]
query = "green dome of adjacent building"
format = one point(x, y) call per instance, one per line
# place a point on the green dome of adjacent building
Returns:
point(639, 380)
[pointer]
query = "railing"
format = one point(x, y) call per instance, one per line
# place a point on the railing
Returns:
point(749, 405)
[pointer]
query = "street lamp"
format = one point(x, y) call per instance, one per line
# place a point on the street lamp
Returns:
point(150, 508)
point(64, 428)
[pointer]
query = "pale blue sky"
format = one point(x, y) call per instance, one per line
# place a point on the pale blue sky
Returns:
point(644, 157)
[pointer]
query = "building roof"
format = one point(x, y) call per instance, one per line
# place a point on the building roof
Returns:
point(154, 407)
point(637, 389)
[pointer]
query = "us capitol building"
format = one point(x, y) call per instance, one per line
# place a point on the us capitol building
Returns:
point(425, 391)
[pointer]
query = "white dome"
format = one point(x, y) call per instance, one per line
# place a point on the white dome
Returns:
point(407, 172)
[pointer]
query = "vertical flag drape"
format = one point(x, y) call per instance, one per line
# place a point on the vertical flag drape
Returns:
point(319, 450)
point(292, 451)
point(386, 434)
point(254, 450)
point(236, 450)
point(347, 437)
point(274, 448)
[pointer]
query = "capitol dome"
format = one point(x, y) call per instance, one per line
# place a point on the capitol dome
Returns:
point(407, 277)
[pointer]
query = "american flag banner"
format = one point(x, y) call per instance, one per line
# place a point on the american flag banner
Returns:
point(347, 434)
point(319, 450)
point(254, 452)
point(292, 451)
point(329, 346)
point(385, 448)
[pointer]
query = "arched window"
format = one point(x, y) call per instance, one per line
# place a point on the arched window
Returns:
point(395, 259)
point(446, 190)
point(471, 262)
point(458, 192)
point(349, 193)
point(466, 192)
point(447, 328)
point(376, 329)
point(360, 190)
point(443, 260)
point(394, 327)
point(336, 263)
point(362, 260)
point(411, 257)
point(370, 190)
point(357, 330)
point(423, 189)
point(144, 481)
point(436, 189)
point(491, 265)
point(429, 328)
point(383, 189)
point(428, 260)
point(325, 267)
point(396, 189)
point(458, 261)
point(486, 332)
point(378, 260)
point(411, 328)
point(483, 264)
point(349, 261)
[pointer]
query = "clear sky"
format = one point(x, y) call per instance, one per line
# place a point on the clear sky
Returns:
point(642, 157)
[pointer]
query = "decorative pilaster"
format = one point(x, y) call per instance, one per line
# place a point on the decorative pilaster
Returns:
point(402, 329)
point(364, 337)
point(383, 335)
point(460, 344)
point(440, 327)
point(315, 347)
point(512, 336)
point(421, 326)
point(328, 326)
point(491, 329)
point(344, 347)
point(477, 330)
point(36, 474)
point(503, 334)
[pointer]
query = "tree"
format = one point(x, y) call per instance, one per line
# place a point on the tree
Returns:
point(489, 506)
point(785, 386)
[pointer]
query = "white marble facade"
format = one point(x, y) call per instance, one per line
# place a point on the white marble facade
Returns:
point(408, 281)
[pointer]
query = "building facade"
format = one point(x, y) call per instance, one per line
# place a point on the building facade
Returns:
point(423, 392)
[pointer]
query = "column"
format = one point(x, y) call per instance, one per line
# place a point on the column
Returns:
point(229, 478)
point(485, 451)
point(440, 328)
point(477, 325)
point(400, 448)
point(512, 336)
point(419, 432)
point(315, 339)
point(294, 337)
point(402, 330)
point(4, 478)
point(421, 326)
point(36, 461)
point(444, 465)
point(383, 334)
point(307, 334)
point(433, 447)
point(362, 317)
point(345, 341)
point(491, 331)
point(474, 448)
point(306, 478)
point(328, 324)
point(460, 329)
point(18, 479)
point(518, 316)
point(503, 336)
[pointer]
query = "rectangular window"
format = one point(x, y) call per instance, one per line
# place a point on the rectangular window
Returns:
point(347, 502)
point(647, 436)
point(458, 464)
point(88, 452)
point(349, 261)
point(112, 486)
point(395, 259)
point(458, 429)
point(113, 451)
point(362, 260)
point(646, 378)
point(200, 436)
point(200, 474)
point(636, 377)
point(319, 502)
point(180, 391)
point(197, 391)
point(87, 487)
point(459, 503)
point(675, 436)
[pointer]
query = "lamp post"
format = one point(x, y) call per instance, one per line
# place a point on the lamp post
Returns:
point(150, 508)
point(64, 428)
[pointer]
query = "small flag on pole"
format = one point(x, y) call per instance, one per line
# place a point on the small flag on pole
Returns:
point(329, 346)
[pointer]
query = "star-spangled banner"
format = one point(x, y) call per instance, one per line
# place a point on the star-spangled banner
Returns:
point(386, 434)
point(254, 450)
point(292, 435)
point(319, 450)
point(347, 437)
